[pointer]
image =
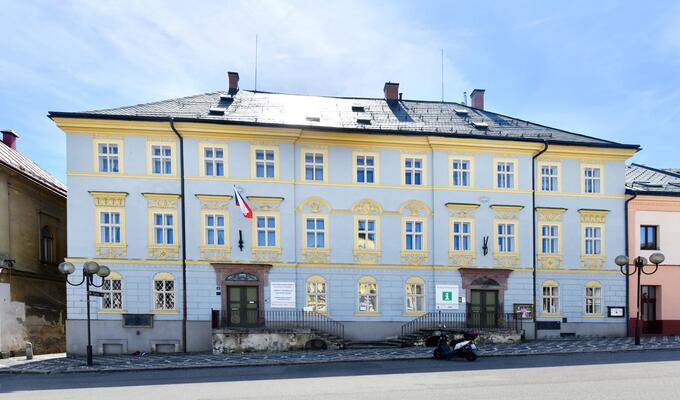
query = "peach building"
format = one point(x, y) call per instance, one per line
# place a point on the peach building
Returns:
point(654, 226)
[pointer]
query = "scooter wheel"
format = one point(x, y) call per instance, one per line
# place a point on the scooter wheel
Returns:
point(438, 354)
point(471, 357)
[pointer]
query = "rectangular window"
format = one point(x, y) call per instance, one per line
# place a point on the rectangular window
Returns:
point(593, 240)
point(551, 299)
point(506, 238)
point(266, 231)
point(214, 230)
point(213, 161)
point(316, 233)
point(592, 179)
point(505, 175)
point(593, 300)
point(461, 172)
point(316, 295)
point(113, 294)
point(161, 159)
point(413, 171)
point(414, 235)
point(265, 163)
point(415, 297)
point(550, 243)
point(163, 228)
point(107, 154)
point(549, 178)
point(314, 163)
point(648, 237)
point(164, 294)
point(365, 169)
point(109, 227)
point(462, 236)
point(366, 234)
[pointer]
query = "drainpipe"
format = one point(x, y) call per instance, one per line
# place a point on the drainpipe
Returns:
point(184, 240)
point(625, 219)
point(533, 230)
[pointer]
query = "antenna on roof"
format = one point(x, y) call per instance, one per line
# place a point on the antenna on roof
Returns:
point(442, 75)
point(256, 62)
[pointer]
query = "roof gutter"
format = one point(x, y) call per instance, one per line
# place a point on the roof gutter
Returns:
point(533, 225)
point(184, 240)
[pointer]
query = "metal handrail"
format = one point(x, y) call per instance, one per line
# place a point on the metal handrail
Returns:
point(491, 321)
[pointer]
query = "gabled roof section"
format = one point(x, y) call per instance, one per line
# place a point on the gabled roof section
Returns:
point(364, 115)
point(23, 165)
point(647, 180)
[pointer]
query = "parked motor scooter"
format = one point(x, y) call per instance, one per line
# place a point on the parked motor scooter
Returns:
point(463, 348)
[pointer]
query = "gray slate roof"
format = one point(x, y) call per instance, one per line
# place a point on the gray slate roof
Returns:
point(23, 165)
point(648, 180)
point(367, 115)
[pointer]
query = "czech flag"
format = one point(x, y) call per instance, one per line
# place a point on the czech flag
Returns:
point(243, 205)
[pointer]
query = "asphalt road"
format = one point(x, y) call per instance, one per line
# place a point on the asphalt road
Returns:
point(649, 375)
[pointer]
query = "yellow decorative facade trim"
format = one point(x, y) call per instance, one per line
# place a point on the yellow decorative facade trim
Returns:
point(201, 158)
point(515, 173)
point(376, 167)
point(303, 163)
point(169, 141)
point(104, 139)
point(470, 158)
point(253, 162)
point(109, 202)
point(415, 257)
point(539, 175)
point(422, 157)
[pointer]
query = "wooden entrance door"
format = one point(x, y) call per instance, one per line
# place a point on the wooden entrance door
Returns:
point(650, 324)
point(484, 308)
point(242, 306)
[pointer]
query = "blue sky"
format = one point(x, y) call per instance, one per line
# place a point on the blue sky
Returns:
point(607, 69)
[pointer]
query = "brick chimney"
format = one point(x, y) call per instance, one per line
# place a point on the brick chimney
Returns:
point(9, 138)
point(477, 98)
point(391, 90)
point(233, 82)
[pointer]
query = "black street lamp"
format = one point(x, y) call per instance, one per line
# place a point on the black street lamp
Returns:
point(639, 262)
point(90, 269)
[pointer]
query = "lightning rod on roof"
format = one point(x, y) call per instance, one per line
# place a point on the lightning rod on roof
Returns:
point(442, 75)
point(256, 62)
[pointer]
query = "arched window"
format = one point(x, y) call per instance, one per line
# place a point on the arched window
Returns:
point(164, 291)
point(113, 292)
point(46, 245)
point(368, 294)
point(551, 297)
point(317, 299)
point(593, 298)
point(415, 295)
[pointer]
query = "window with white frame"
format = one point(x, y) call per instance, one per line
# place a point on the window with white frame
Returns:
point(549, 178)
point(365, 169)
point(366, 234)
point(161, 159)
point(265, 163)
point(505, 234)
point(107, 156)
point(550, 243)
point(415, 295)
point(592, 240)
point(551, 298)
point(505, 174)
point(164, 228)
point(317, 299)
point(413, 231)
point(214, 229)
point(592, 179)
point(462, 236)
point(315, 233)
point(413, 171)
point(164, 292)
point(593, 299)
point(109, 227)
point(112, 288)
point(314, 164)
point(213, 161)
point(266, 231)
point(461, 172)
point(368, 295)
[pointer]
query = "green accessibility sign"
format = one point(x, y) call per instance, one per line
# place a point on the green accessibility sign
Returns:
point(447, 297)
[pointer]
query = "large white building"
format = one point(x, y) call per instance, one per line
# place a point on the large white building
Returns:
point(363, 208)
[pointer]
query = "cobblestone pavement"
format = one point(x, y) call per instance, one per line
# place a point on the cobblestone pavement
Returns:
point(207, 360)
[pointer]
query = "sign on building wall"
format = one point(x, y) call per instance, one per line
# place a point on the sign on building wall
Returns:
point(282, 295)
point(447, 297)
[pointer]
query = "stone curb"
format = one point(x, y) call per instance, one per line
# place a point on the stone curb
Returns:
point(270, 363)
